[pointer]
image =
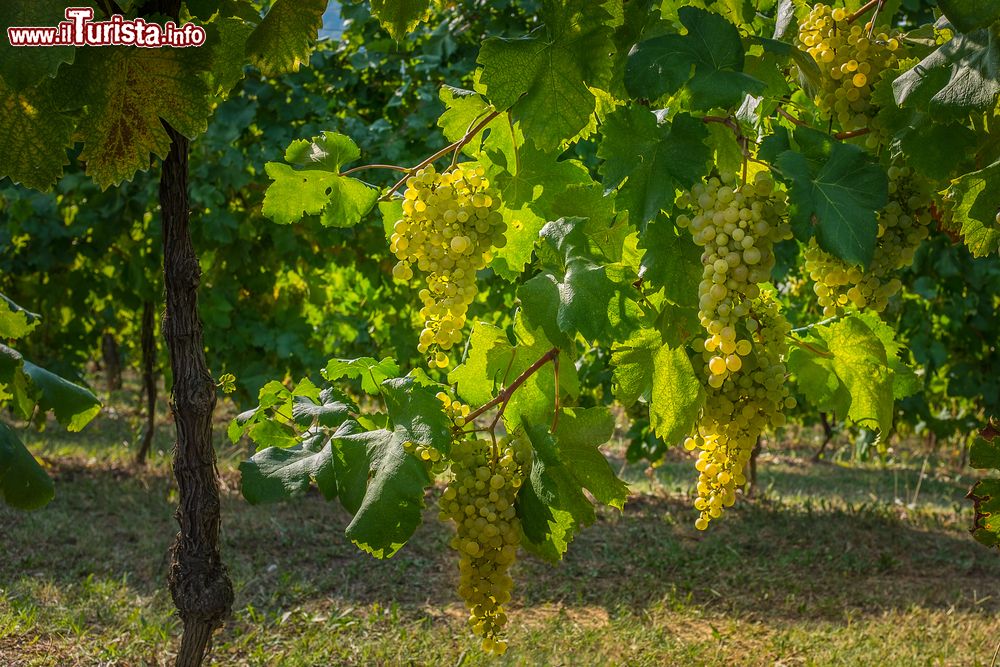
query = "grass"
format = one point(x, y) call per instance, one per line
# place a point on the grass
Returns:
point(831, 565)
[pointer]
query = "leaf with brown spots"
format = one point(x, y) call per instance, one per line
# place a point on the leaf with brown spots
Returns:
point(125, 93)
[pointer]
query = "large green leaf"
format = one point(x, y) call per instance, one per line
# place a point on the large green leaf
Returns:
point(835, 192)
point(370, 371)
point(551, 504)
point(15, 322)
point(672, 261)
point(23, 483)
point(399, 17)
point(316, 186)
point(23, 67)
point(676, 397)
point(969, 15)
point(845, 369)
point(125, 93)
point(533, 191)
point(632, 364)
point(275, 474)
point(579, 434)
point(652, 156)
point(34, 135)
point(975, 205)
point(284, 38)
point(962, 75)
point(74, 406)
point(708, 59)
point(33, 387)
point(546, 77)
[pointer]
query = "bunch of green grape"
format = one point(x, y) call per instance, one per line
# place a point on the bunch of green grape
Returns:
point(749, 400)
point(737, 225)
point(902, 225)
point(850, 60)
point(449, 227)
point(480, 500)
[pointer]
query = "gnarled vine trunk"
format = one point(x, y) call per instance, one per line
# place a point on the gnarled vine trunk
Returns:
point(199, 583)
point(148, 343)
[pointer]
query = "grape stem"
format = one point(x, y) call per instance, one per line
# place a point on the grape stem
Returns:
point(793, 119)
point(838, 136)
point(373, 166)
point(864, 9)
point(806, 346)
point(816, 324)
point(455, 146)
point(503, 398)
point(741, 138)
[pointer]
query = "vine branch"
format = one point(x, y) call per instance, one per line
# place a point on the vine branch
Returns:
point(374, 166)
point(455, 146)
point(503, 398)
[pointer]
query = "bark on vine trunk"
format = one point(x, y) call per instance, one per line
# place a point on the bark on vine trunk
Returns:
point(198, 581)
point(112, 361)
point(148, 341)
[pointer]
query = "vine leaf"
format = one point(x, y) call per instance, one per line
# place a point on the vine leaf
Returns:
point(969, 15)
point(399, 17)
point(962, 75)
point(711, 48)
point(552, 505)
point(15, 321)
point(984, 454)
point(23, 67)
point(227, 42)
point(282, 40)
point(31, 386)
point(851, 377)
point(316, 186)
point(370, 371)
point(676, 395)
point(632, 361)
point(672, 261)
point(581, 283)
point(126, 92)
point(275, 474)
point(379, 482)
point(34, 135)
point(652, 156)
point(553, 71)
point(532, 194)
point(834, 193)
point(975, 205)
point(23, 483)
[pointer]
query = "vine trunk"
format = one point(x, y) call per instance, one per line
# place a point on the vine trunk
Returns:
point(198, 581)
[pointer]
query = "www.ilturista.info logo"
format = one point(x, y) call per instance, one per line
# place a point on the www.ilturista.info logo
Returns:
point(79, 29)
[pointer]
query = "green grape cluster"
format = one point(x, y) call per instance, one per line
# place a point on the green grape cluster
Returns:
point(737, 225)
point(902, 225)
point(449, 227)
point(480, 500)
point(850, 60)
point(735, 413)
point(456, 411)
point(426, 453)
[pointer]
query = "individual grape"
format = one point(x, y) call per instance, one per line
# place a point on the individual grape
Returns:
point(902, 225)
point(480, 501)
point(737, 226)
point(449, 228)
point(850, 60)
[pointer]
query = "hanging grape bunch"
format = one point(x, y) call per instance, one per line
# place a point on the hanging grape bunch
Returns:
point(449, 227)
point(480, 500)
point(850, 60)
point(737, 225)
point(744, 376)
point(902, 225)
point(749, 401)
